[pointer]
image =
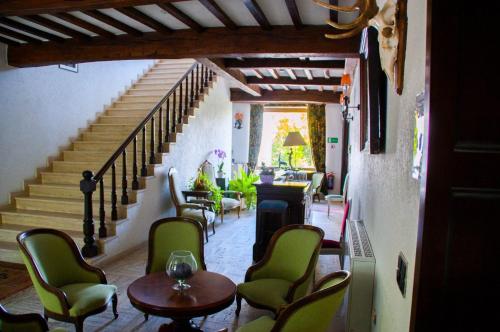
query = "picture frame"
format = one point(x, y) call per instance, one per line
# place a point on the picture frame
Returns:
point(73, 67)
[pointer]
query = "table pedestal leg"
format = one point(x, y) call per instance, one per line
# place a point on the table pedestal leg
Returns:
point(180, 325)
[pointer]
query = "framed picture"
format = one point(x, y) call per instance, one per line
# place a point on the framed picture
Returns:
point(73, 67)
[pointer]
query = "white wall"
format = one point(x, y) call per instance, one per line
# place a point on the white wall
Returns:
point(384, 193)
point(334, 125)
point(42, 109)
point(241, 137)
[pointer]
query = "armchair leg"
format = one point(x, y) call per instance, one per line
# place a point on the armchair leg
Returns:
point(238, 304)
point(221, 213)
point(239, 210)
point(206, 232)
point(146, 317)
point(213, 227)
point(114, 300)
point(79, 324)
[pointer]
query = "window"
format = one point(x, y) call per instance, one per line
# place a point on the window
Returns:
point(276, 127)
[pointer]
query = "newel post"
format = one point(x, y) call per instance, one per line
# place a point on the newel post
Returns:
point(87, 187)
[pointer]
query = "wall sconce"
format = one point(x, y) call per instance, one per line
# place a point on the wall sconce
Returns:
point(345, 82)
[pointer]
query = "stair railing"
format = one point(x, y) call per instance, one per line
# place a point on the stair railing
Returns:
point(169, 114)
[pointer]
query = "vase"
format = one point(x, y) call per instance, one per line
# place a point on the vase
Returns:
point(220, 174)
point(181, 266)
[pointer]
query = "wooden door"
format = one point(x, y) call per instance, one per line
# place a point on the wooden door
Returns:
point(458, 258)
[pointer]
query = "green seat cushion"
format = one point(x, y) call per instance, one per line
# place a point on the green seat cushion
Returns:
point(262, 324)
point(86, 297)
point(230, 203)
point(198, 215)
point(268, 292)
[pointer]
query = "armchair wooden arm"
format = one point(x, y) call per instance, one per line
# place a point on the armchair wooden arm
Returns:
point(9, 318)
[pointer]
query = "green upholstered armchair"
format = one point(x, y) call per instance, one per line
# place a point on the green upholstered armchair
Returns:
point(199, 211)
point(70, 289)
point(24, 322)
point(285, 272)
point(310, 313)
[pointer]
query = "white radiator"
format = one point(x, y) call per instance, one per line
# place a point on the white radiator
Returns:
point(360, 261)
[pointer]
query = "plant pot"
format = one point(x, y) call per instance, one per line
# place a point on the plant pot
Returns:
point(220, 174)
point(267, 179)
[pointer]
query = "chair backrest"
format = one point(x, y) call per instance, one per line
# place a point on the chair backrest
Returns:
point(347, 208)
point(175, 190)
point(317, 180)
point(344, 192)
point(208, 169)
point(315, 311)
point(169, 234)
point(284, 259)
point(26, 322)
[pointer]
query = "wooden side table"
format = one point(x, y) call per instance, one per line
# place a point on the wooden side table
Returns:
point(209, 293)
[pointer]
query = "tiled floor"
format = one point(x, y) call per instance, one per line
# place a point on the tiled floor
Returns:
point(228, 252)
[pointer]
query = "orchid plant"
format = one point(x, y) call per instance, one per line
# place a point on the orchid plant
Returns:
point(221, 155)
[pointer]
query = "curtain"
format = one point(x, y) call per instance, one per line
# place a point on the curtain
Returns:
point(256, 123)
point(317, 131)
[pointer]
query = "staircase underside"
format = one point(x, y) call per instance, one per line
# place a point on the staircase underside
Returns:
point(55, 200)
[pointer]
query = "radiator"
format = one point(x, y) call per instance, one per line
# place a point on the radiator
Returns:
point(360, 261)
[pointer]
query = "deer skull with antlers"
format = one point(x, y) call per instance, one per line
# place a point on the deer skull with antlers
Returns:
point(390, 22)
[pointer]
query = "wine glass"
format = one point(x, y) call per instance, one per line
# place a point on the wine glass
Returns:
point(180, 266)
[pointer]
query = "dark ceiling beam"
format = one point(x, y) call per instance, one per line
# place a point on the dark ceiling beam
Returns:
point(84, 24)
point(113, 22)
point(9, 41)
point(175, 12)
point(26, 28)
point(283, 63)
point(19, 36)
point(318, 81)
point(33, 7)
point(235, 77)
point(45, 22)
point(139, 16)
point(292, 96)
point(212, 43)
point(291, 5)
point(258, 14)
point(212, 6)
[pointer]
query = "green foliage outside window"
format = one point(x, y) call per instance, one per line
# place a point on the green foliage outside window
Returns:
point(301, 154)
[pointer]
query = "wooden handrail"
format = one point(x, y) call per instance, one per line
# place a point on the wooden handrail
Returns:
point(98, 176)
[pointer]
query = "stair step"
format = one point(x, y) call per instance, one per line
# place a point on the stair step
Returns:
point(9, 252)
point(75, 178)
point(116, 127)
point(98, 156)
point(117, 119)
point(71, 191)
point(109, 146)
point(144, 99)
point(8, 234)
point(158, 93)
point(68, 221)
point(65, 205)
point(136, 104)
point(127, 112)
point(80, 166)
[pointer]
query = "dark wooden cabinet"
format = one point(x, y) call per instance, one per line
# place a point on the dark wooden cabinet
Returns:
point(296, 194)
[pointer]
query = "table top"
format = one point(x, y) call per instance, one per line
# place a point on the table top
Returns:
point(209, 293)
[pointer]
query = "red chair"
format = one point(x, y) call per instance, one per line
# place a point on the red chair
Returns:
point(333, 247)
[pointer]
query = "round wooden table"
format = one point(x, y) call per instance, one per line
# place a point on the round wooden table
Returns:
point(209, 293)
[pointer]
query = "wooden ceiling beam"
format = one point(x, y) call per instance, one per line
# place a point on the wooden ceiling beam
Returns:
point(235, 77)
point(175, 12)
point(319, 81)
point(212, 43)
point(84, 24)
point(212, 6)
point(258, 14)
point(140, 17)
point(291, 5)
point(255, 63)
point(113, 22)
point(257, 73)
point(294, 96)
point(26, 28)
point(45, 22)
point(19, 36)
point(291, 73)
point(33, 7)
point(273, 73)
point(308, 74)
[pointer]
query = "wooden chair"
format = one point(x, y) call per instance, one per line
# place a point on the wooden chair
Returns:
point(70, 289)
point(231, 199)
point(313, 312)
point(330, 199)
point(316, 183)
point(285, 272)
point(199, 209)
point(24, 322)
point(333, 247)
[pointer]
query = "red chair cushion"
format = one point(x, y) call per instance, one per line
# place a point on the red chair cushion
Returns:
point(330, 244)
point(336, 244)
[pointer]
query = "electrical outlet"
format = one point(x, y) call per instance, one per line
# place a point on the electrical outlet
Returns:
point(401, 273)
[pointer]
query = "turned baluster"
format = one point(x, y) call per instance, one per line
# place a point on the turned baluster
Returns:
point(152, 157)
point(181, 111)
point(191, 101)
point(202, 79)
point(210, 77)
point(206, 76)
point(160, 130)
point(167, 121)
point(124, 199)
point(144, 169)
point(197, 81)
point(114, 211)
point(135, 181)
point(87, 187)
point(103, 232)
point(186, 99)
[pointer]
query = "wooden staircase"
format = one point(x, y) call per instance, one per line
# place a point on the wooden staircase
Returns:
point(55, 199)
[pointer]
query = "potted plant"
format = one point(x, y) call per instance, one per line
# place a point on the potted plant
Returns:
point(202, 182)
point(243, 183)
point(221, 155)
point(266, 174)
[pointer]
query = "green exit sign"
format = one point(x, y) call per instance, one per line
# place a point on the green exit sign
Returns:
point(333, 139)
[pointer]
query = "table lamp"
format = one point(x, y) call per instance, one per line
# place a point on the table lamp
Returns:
point(294, 138)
